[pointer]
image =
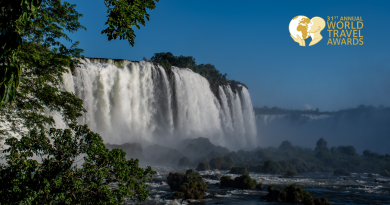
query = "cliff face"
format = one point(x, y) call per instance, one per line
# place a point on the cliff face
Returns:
point(143, 102)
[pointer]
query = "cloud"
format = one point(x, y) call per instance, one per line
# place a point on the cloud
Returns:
point(308, 107)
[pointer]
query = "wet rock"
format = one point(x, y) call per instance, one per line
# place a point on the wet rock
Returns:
point(381, 181)
point(211, 176)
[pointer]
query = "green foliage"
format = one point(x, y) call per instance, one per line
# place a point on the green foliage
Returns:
point(273, 160)
point(286, 146)
point(203, 166)
point(58, 180)
point(321, 145)
point(33, 54)
point(347, 150)
point(294, 194)
point(341, 172)
point(187, 186)
point(280, 111)
point(15, 20)
point(239, 170)
point(123, 14)
point(272, 167)
point(44, 22)
point(217, 163)
point(214, 77)
point(260, 186)
point(291, 173)
point(241, 182)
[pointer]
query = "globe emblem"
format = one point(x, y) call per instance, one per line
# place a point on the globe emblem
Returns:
point(299, 26)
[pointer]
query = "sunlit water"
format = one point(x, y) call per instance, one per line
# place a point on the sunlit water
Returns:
point(339, 190)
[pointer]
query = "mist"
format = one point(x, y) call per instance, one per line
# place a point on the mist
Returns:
point(364, 127)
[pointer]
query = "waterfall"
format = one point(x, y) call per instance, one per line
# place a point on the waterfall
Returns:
point(139, 102)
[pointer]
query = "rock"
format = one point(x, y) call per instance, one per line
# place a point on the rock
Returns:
point(193, 148)
point(187, 186)
point(161, 155)
point(210, 176)
point(203, 166)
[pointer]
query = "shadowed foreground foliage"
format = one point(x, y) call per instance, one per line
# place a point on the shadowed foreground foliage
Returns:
point(56, 179)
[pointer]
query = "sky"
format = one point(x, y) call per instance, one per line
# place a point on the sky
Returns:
point(250, 41)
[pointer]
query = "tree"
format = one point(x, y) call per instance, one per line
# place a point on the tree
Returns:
point(286, 146)
point(34, 56)
point(321, 145)
point(15, 18)
point(106, 177)
point(32, 19)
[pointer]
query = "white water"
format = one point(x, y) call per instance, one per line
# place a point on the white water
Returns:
point(139, 103)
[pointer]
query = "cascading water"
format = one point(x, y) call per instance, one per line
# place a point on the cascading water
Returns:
point(139, 102)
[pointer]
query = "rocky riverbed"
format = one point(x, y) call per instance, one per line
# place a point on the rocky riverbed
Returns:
point(356, 189)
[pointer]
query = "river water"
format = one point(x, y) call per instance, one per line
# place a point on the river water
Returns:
point(357, 189)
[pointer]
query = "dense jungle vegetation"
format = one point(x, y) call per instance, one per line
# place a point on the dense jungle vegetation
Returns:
point(214, 76)
point(297, 159)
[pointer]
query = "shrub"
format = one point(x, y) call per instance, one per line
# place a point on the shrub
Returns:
point(241, 182)
point(294, 194)
point(203, 166)
point(260, 186)
point(56, 180)
point(187, 186)
point(217, 163)
point(239, 170)
point(291, 173)
point(341, 172)
point(370, 175)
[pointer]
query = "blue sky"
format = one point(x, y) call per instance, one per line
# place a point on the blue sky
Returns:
point(250, 41)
